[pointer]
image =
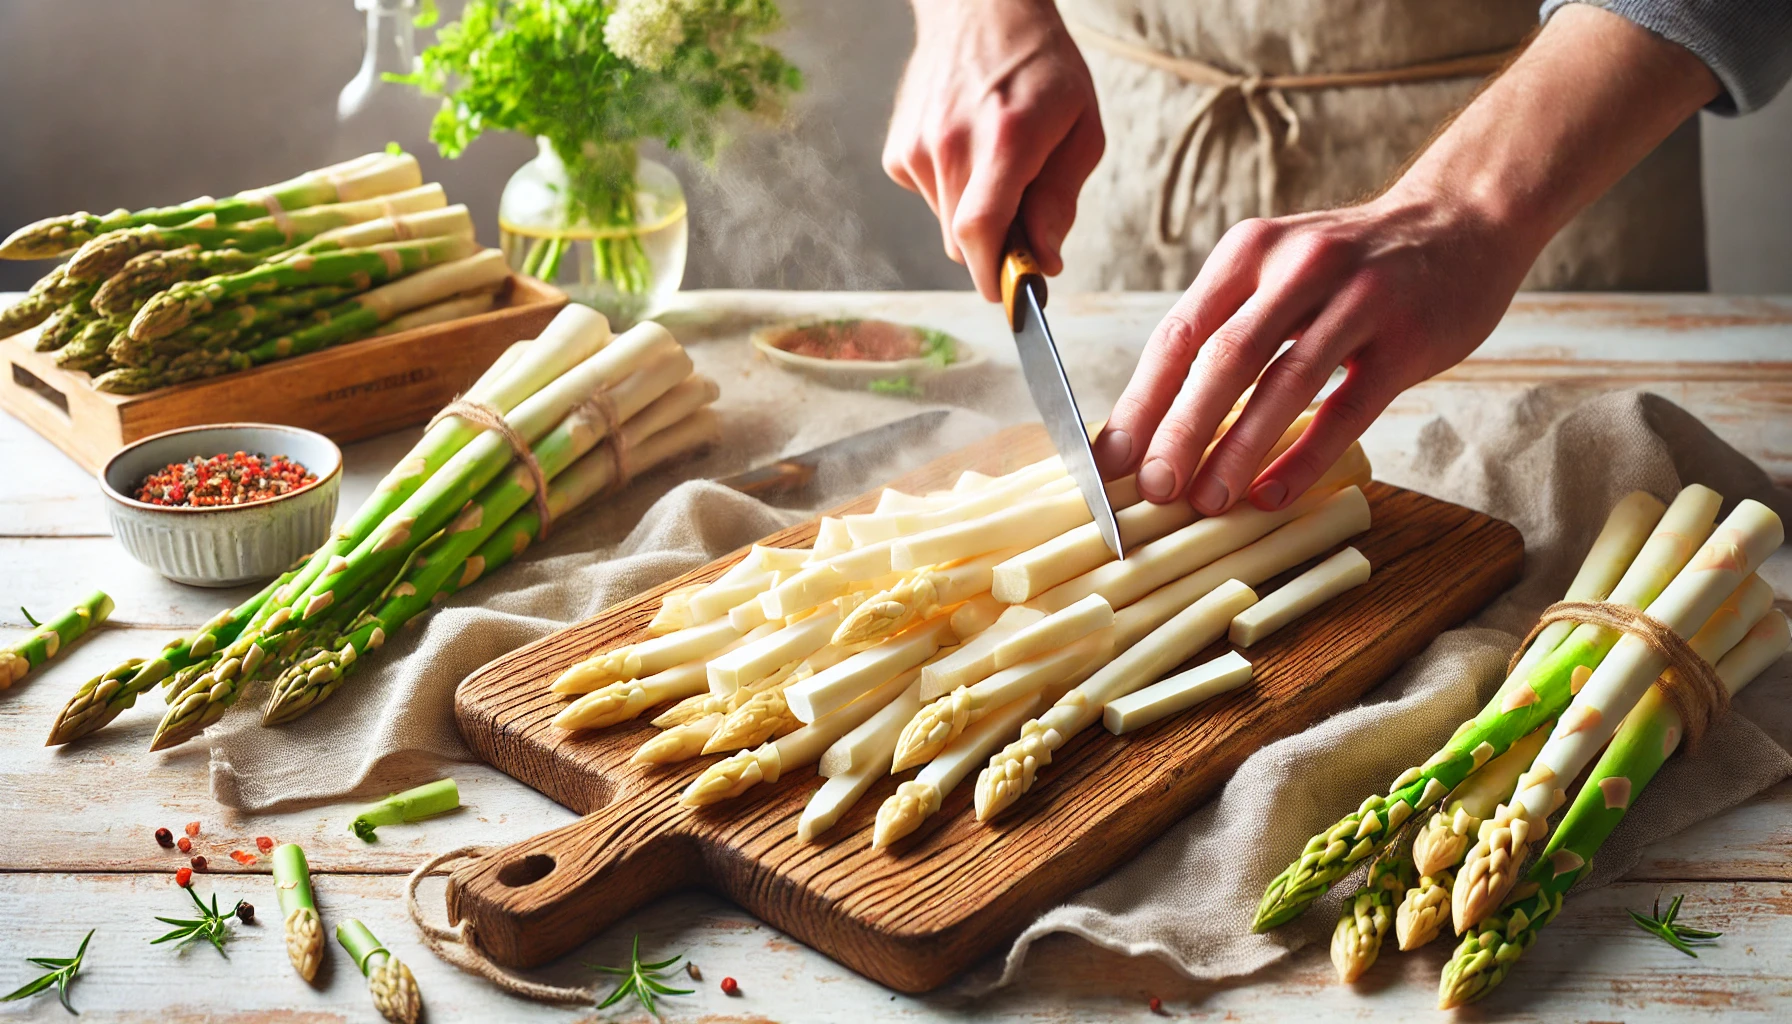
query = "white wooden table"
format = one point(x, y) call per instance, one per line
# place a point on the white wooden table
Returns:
point(76, 849)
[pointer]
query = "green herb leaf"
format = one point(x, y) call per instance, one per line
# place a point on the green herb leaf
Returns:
point(1663, 927)
point(641, 980)
point(63, 971)
point(28, 618)
point(937, 347)
point(899, 387)
point(211, 925)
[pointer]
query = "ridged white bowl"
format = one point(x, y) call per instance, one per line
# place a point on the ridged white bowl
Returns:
point(223, 546)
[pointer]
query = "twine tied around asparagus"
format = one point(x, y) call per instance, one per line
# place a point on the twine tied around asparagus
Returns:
point(604, 407)
point(482, 415)
point(1260, 96)
point(456, 945)
point(1689, 683)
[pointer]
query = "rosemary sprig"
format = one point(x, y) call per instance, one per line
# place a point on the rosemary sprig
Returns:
point(62, 971)
point(211, 925)
point(641, 980)
point(1678, 936)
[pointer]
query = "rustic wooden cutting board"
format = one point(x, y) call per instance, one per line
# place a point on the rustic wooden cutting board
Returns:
point(916, 915)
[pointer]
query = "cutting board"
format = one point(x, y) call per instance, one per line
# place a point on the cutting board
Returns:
point(914, 916)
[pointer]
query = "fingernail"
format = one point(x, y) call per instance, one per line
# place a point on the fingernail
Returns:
point(1112, 449)
point(1270, 495)
point(1211, 495)
point(1157, 481)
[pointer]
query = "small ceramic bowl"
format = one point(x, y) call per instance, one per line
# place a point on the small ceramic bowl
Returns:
point(225, 545)
point(916, 375)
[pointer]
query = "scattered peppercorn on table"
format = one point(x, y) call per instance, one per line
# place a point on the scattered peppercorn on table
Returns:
point(82, 851)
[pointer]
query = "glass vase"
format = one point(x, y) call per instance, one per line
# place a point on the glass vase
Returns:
point(626, 270)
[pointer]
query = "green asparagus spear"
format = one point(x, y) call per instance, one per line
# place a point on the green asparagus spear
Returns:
point(51, 637)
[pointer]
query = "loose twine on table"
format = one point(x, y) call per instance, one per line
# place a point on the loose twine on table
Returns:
point(456, 944)
point(1689, 683)
point(1260, 96)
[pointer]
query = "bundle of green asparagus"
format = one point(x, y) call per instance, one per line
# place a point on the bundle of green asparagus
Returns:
point(593, 410)
point(1505, 771)
point(161, 296)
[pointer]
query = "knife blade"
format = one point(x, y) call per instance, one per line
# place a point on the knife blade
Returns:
point(868, 448)
point(1023, 295)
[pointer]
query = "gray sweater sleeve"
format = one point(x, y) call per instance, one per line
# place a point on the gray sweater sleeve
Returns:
point(1747, 44)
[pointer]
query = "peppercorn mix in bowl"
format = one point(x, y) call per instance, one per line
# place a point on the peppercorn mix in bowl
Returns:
point(225, 504)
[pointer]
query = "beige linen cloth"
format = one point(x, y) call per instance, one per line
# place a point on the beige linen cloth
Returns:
point(1550, 464)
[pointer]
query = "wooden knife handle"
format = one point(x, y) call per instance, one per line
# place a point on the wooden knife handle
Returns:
point(533, 901)
point(1019, 268)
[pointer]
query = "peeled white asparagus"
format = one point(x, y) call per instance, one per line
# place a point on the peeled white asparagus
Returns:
point(1180, 692)
point(620, 701)
point(751, 662)
point(1765, 642)
point(1201, 542)
point(831, 539)
point(1341, 516)
point(970, 480)
point(920, 797)
point(917, 596)
point(892, 500)
point(977, 657)
point(871, 527)
point(1343, 571)
point(815, 585)
point(1022, 525)
point(830, 690)
point(675, 611)
point(1626, 529)
point(734, 775)
point(1055, 631)
point(778, 559)
point(1745, 538)
point(647, 657)
point(1012, 771)
point(835, 797)
point(940, 722)
point(975, 616)
point(679, 743)
point(875, 737)
point(719, 598)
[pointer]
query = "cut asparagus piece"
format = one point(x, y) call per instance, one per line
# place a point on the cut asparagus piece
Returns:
point(831, 538)
point(1011, 772)
point(621, 701)
point(1200, 543)
point(976, 658)
point(1444, 840)
point(1523, 703)
point(733, 776)
point(816, 585)
point(647, 657)
point(1720, 570)
point(1180, 692)
point(919, 596)
point(1024, 525)
point(935, 726)
point(675, 611)
point(975, 616)
point(717, 599)
point(873, 740)
point(914, 801)
point(1648, 736)
point(874, 527)
point(1054, 632)
point(829, 691)
point(1341, 572)
point(1342, 515)
point(301, 929)
point(394, 990)
point(51, 637)
point(752, 662)
point(415, 804)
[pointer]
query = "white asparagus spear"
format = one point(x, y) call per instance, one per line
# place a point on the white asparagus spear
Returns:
point(1200, 543)
point(1443, 841)
point(1744, 539)
point(920, 595)
point(778, 559)
point(732, 776)
point(1077, 551)
point(749, 663)
point(892, 500)
point(679, 743)
point(975, 616)
point(976, 658)
point(1011, 772)
point(914, 801)
point(871, 527)
point(874, 739)
point(619, 702)
point(831, 538)
point(675, 611)
point(813, 586)
point(1023, 525)
point(1343, 571)
point(1180, 692)
point(1339, 517)
point(1054, 632)
point(827, 692)
point(939, 723)
point(647, 657)
point(719, 598)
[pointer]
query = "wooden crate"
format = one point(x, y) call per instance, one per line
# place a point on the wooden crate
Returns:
point(346, 393)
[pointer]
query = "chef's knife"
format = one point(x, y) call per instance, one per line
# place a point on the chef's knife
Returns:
point(1023, 295)
point(868, 448)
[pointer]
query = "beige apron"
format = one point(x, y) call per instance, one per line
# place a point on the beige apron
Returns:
point(1220, 110)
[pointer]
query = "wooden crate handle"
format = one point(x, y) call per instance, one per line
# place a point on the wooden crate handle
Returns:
point(533, 901)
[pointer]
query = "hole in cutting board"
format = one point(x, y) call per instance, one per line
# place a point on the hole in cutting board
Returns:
point(527, 871)
point(29, 381)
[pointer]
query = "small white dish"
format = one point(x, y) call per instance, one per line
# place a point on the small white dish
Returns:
point(920, 374)
point(223, 545)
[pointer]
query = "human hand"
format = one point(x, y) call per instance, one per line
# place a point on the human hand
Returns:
point(995, 117)
point(1394, 290)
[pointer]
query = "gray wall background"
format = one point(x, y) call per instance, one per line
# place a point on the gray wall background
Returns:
point(107, 103)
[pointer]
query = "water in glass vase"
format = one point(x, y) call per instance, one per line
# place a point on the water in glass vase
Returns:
point(626, 272)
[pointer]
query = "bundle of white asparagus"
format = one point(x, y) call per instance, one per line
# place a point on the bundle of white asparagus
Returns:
point(978, 626)
point(1580, 686)
point(155, 297)
point(592, 408)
